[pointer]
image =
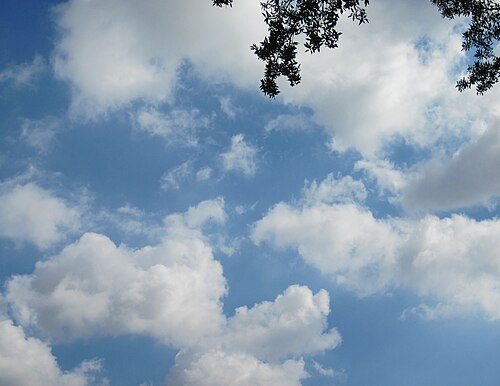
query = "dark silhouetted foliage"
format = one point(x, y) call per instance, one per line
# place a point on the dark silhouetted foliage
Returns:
point(287, 19)
point(317, 21)
point(480, 37)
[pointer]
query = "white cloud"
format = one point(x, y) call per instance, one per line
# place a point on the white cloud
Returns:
point(204, 174)
point(343, 241)
point(255, 346)
point(40, 134)
point(170, 291)
point(32, 214)
point(128, 219)
point(172, 179)
point(218, 368)
point(324, 371)
point(388, 178)
point(29, 361)
point(227, 107)
point(117, 51)
point(470, 177)
point(381, 83)
point(178, 126)
point(456, 261)
point(293, 324)
point(240, 157)
point(339, 190)
point(22, 74)
point(289, 122)
point(208, 210)
point(453, 263)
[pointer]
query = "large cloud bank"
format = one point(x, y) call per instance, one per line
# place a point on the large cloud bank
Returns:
point(171, 291)
point(454, 262)
point(401, 75)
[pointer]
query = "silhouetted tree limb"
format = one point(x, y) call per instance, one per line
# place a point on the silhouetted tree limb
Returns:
point(317, 21)
point(480, 37)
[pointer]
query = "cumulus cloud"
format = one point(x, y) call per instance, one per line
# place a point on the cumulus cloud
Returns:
point(29, 361)
point(343, 241)
point(383, 82)
point(218, 368)
point(114, 52)
point(400, 75)
point(257, 344)
point(456, 261)
point(453, 263)
point(33, 214)
point(388, 177)
point(293, 324)
point(170, 291)
point(241, 156)
point(470, 177)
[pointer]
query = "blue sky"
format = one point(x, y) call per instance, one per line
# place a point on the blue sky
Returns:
point(163, 223)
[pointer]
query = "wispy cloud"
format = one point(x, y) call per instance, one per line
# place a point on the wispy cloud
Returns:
point(23, 74)
point(240, 157)
point(172, 179)
point(40, 134)
point(176, 127)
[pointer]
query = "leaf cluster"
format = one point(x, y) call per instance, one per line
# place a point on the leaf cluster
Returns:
point(286, 20)
point(481, 36)
point(317, 20)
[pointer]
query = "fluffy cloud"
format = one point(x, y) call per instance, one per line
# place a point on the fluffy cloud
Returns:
point(32, 214)
point(453, 263)
point(343, 241)
point(218, 368)
point(293, 324)
point(255, 346)
point(170, 291)
point(470, 177)
point(388, 178)
point(400, 75)
point(240, 157)
point(117, 51)
point(456, 261)
point(29, 361)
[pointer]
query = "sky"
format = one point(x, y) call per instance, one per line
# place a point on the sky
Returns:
point(164, 223)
